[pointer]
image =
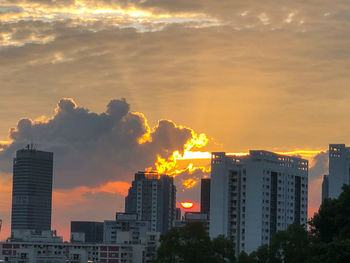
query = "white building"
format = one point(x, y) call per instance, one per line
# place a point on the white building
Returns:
point(27, 248)
point(254, 196)
point(125, 229)
point(339, 170)
point(44, 252)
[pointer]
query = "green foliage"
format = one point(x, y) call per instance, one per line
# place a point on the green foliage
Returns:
point(290, 246)
point(332, 220)
point(191, 244)
point(337, 251)
point(262, 255)
point(245, 258)
point(224, 249)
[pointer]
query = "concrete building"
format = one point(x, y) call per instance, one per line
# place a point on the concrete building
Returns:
point(205, 195)
point(33, 252)
point(178, 213)
point(86, 232)
point(254, 196)
point(153, 198)
point(32, 189)
point(125, 229)
point(194, 217)
point(339, 169)
point(325, 187)
point(30, 248)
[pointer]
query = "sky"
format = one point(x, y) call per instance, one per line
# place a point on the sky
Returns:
point(117, 86)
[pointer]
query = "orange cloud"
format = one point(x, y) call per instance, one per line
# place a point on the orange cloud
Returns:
point(71, 197)
point(189, 183)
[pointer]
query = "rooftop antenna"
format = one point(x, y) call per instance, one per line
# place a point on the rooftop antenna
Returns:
point(30, 146)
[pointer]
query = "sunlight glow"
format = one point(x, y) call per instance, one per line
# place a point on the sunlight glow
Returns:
point(187, 204)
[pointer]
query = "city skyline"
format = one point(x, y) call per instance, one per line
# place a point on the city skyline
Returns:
point(198, 76)
point(187, 176)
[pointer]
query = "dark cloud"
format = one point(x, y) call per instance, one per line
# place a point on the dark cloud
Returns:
point(90, 148)
point(319, 167)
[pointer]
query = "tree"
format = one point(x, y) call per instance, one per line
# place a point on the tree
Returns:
point(332, 220)
point(245, 258)
point(290, 246)
point(190, 244)
point(224, 249)
point(261, 255)
point(337, 251)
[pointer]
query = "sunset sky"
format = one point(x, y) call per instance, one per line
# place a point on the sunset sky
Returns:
point(117, 86)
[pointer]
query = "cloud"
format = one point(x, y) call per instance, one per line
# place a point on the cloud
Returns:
point(91, 148)
point(175, 79)
point(319, 167)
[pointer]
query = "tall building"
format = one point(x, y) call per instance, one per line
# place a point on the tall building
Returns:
point(86, 232)
point(325, 187)
point(32, 190)
point(205, 196)
point(254, 196)
point(339, 169)
point(153, 198)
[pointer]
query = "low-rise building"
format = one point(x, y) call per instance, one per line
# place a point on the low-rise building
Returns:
point(126, 229)
point(30, 247)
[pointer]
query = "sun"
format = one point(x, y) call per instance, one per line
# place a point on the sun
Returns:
point(187, 204)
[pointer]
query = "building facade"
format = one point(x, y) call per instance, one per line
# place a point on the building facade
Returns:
point(191, 217)
point(339, 169)
point(35, 252)
point(125, 229)
point(86, 231)
point(325, 187)
point(254, 196)
point(30, 247)
point(205, 195)
point(32, 190)
point(153, 198)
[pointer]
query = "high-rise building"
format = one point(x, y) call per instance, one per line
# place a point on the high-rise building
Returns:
point(325, 187)
point(153, 198)
point(32, 189)
point(205, 196)
point(339, 169)
point(254, 196)
point(86, 231)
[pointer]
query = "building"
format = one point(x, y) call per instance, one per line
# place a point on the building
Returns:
point(32, 189)
point(256, 195)
point(325, 187)
point(153, 198)
point(190, 217)
point(86, 232)
point(46, 236)
point(30, 247)
point(34, 252)
point(205, 195)
point(339, 169)
point(125, 229)
point(178, 213)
